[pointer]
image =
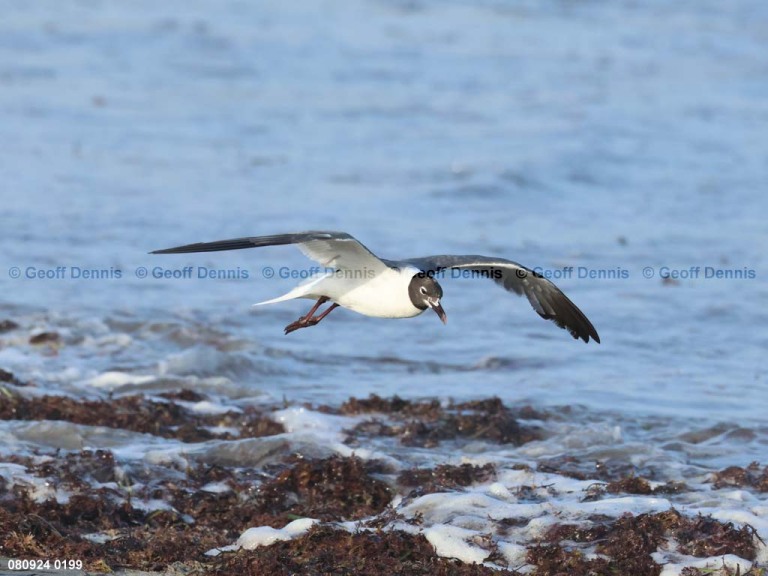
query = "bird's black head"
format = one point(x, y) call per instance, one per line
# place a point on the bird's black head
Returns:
point(425, 292)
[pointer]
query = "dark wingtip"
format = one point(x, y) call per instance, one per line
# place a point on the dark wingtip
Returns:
point(187, 248)
point(585, 332)
point(218, 246)
point(587, 336)
point(568, 317)
point(571, 317)
point(179, 250)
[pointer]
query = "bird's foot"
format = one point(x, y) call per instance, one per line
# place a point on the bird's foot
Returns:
point(309, 320)
point(302, 322)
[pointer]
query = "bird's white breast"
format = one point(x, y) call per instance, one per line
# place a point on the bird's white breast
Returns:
point(383, 295)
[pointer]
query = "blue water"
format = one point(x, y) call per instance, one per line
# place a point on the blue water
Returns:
point(608, 136)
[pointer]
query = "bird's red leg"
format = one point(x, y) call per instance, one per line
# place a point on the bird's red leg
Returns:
point(320, 301)
point(316, 319)
point(308, 319)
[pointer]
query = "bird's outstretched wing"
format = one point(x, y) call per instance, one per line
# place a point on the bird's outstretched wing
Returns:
point(337, 250)
point(544, 296)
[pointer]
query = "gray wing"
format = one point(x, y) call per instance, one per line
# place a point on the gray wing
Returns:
point(546, 298)
point(337, 250)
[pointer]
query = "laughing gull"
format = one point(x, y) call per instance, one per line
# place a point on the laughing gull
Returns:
point(357, 279)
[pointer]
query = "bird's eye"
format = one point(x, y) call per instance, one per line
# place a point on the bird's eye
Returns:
point(423, 290)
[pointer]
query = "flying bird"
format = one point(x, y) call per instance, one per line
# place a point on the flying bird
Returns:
point(357, 279)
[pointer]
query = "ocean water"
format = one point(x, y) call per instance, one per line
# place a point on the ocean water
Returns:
point(621, 148)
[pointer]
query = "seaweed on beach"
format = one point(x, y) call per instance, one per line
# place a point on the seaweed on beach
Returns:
point(427, 423)
point(327, 550)
point(148, 516)
point(736, 476)
point(137, 413)
point(628, 543)
point(445, 477)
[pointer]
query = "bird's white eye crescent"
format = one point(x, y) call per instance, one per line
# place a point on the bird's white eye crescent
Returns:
point(423, 290)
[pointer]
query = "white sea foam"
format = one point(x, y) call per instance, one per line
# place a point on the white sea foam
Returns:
point(113, 379)
point(265, 535)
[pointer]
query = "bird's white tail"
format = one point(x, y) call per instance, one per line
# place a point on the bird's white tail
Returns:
point(295, 293)
point(303, 290)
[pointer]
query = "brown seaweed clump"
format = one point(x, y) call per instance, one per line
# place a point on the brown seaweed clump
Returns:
point(140, 414)
point(325, 550)
point(738, 477)
point(427, 423)
point(334, 488)
point(445, 477)
point(628, 542)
